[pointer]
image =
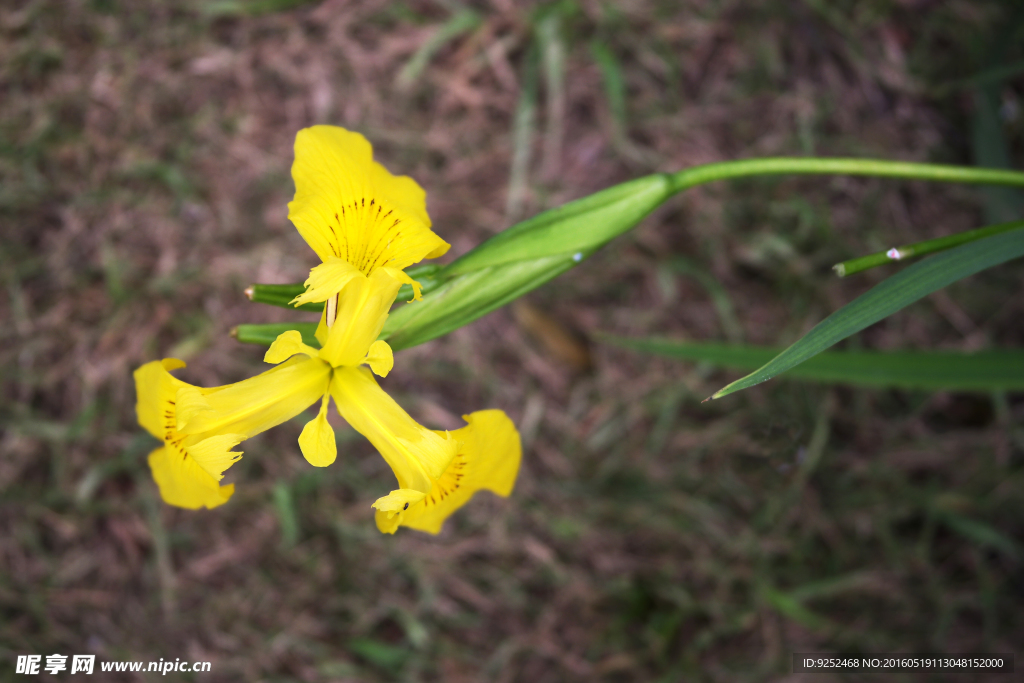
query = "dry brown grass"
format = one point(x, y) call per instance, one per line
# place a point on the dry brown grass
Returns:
point(144, 176)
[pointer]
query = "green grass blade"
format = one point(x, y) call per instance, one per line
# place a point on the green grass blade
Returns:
point(886, 298)
point(266, 334)
point(992, 150)
point(933, 370)
point(982, 534)
point(551, 41)
point(460, 22)
point(241, 8)
point(922, 248)
point(523, 128)
point(614, 84)
point(793, 609)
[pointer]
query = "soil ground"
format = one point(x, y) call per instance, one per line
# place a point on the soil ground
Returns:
point(145, 149)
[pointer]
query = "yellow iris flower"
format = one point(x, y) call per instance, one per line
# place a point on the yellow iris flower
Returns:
point(188, 467)
point(355, 215)
point(366, 226)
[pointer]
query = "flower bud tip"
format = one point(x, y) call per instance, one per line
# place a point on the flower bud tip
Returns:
point(250, 291)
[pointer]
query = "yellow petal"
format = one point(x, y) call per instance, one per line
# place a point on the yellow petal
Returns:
point(417, 455)
point(326, 280)
point(348, 206)
point(256, 404)
point(214, 453)
point(362, 309)
point(155, 389)
point(322, 330)
point(317, 439)
point(187, 468)
point(380, 358)
point(405, 278)
point(487, 459)
point(287, 345)
point(183, 483)
point(391, 506)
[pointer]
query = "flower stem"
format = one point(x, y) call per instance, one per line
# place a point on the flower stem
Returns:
point(725, 170)
point(921, 248)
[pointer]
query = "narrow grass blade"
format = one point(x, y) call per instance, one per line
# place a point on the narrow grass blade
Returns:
point(993, 76)
point(883, 300)
point(992, 150)
point(287, 518)
point(793, 609)
point(236, 8)
point(552, 48)
point(614, 84)
point(460, 22)
point(982, 534)
point(719, 297)
point(523, 128)
point(922, 248)
point(615, 93)
point(266, 334)
point(997, 370)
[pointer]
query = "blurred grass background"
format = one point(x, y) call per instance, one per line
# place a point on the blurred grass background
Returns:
point(145, 149)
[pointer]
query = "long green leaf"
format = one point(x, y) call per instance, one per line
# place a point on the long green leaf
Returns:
point(980, 371)
point(886, 298)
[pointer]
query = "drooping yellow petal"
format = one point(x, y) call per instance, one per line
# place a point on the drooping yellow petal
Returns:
point(362, 309)
point(326, 280)
point(183, 483)
point(187, 468)
point(287, 345)
point(317, 438)
point(214, 453)
point(155, 389)
point(380, 358)
point(488, 458)
point(348, 206)
point(256, 404)
point(417, 455)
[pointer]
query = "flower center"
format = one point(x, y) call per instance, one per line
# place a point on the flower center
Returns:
point(367, 232)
